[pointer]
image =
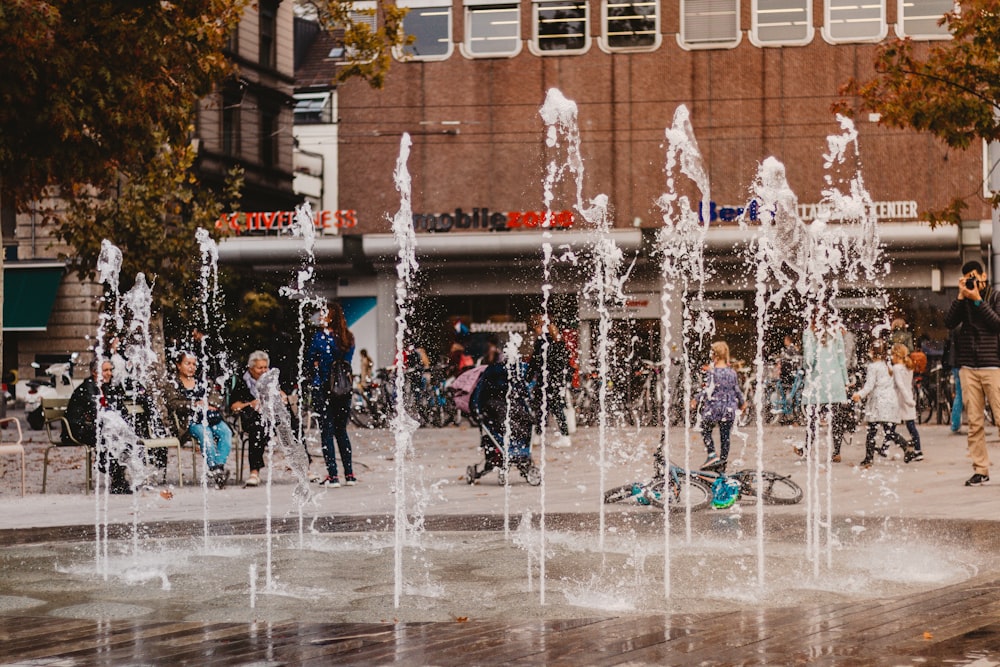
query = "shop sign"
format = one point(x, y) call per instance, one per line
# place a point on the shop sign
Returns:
point(481, 218)
point(635, 307)
point(278, 221)
point(497, 327)
point(884, 210)
point(714, 305)
point(867, 302)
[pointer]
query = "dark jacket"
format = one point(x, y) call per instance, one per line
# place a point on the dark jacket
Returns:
point(557, 360)
point(81, 411)
point(977, 344)
point(322, 352)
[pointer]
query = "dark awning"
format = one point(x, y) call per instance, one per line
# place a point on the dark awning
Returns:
point(29, 291)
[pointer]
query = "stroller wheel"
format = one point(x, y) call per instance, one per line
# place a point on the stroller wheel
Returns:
point(501, 477)
point(471, 475)
point(533, 475)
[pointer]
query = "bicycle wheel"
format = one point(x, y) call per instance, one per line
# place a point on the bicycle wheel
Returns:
point(361, 414)
point(925, 404)
point(619, 493)
point(684, 492)
point(778, 489)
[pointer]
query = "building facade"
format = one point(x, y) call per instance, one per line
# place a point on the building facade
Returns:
point(759, 78)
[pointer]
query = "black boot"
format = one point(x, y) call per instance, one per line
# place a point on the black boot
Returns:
point(119, 483)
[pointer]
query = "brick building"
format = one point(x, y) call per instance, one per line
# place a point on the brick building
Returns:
point(759, 78)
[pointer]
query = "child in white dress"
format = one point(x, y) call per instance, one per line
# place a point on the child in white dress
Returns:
point(881, 404)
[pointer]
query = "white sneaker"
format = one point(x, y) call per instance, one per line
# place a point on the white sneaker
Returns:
point(562, 441)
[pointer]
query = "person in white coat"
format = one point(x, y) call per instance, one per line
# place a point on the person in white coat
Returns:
point(881, 404)
point(902, 377)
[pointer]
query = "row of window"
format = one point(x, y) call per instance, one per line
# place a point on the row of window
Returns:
point(562, 27)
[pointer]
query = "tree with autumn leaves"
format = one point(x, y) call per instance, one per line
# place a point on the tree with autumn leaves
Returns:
point(95, 113)
point(950, 88)
point(96, 117)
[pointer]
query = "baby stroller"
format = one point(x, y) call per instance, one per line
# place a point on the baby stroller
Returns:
point(488, 401)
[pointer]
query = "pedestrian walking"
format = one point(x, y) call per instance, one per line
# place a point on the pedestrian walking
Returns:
point(902, 378)
point(720, 400)
point(881, 405)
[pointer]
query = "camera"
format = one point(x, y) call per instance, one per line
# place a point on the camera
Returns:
point(970, 283)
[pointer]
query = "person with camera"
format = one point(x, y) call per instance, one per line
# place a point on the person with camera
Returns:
point(976, 312)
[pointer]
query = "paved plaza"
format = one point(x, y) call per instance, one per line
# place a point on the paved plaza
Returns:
point(953, 623)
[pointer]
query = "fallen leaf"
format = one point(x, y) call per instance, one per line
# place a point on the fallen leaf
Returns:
point(918, 490)
point(461, 619)
point(928, 635)
point(166, 494)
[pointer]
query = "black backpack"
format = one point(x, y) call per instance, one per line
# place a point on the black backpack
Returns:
point(341, 379)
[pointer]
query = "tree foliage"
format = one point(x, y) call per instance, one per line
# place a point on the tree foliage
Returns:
point(949, 88)
point(369, 51)
point(152, 214)
point(95, 88)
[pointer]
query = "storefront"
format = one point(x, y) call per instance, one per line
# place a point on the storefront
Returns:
point(474, 284)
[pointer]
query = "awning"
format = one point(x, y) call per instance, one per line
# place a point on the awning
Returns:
point(29, 291)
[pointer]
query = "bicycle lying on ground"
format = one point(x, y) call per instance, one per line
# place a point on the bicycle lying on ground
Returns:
point(684, 490)
point(701, 488)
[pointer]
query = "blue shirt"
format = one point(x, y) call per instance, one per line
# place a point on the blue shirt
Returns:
point(324, 349)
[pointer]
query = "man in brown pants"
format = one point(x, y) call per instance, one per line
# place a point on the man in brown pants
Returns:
point(977, 312)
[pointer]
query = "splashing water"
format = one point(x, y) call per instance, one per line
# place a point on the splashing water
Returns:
point(304, 227)
point(211, 321)
point(811, 260)
point(109, 265)
point(402, 424)
point(277, 424)
point(512, 357)
point(681, 244)
point(606, 284)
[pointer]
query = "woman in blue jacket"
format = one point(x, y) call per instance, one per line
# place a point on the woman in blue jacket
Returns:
point(333, 342)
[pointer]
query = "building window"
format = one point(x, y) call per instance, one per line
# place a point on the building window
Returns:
point(491, 30)
point(233, 43)
point(854, 21)
point(313, 108)
point(231, 101)
point(430, 27)
point(919, 18)
point(631, 25)
point(363, 12)
point(268, 33)
point(781, 22)
point(710, 24)
point(269, 134)
point(560, 27)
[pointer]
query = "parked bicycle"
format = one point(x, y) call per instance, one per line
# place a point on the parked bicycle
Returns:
point(786, 401)
point(647, 408)
point(934, 393)
point(368, 404)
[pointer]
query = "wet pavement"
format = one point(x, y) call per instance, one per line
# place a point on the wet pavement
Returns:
point(949, 623)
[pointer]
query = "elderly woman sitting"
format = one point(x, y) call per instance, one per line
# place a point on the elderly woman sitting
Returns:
point(244, 400)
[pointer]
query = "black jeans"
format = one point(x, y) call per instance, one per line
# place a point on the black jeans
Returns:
point(333, 417)
point(256, 439)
